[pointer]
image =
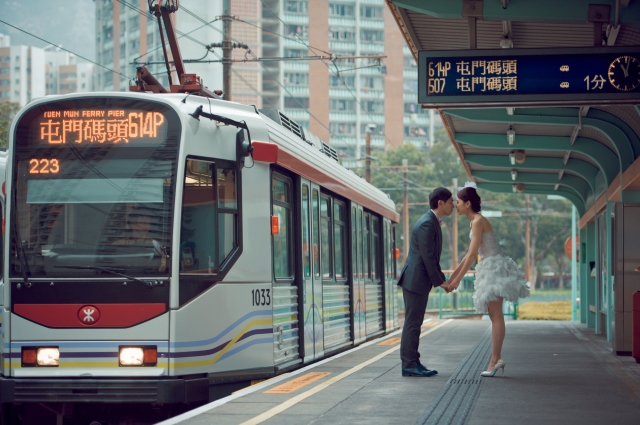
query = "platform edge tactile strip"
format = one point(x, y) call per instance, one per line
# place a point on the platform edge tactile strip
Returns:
point(456, 400)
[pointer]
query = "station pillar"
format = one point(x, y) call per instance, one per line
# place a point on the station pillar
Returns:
point(591, 304)
point(584, 275)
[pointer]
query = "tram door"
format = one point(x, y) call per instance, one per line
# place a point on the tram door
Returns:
point(357, 257)
point(312, 327)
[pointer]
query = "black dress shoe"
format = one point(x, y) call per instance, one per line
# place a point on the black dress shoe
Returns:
point(421, 366)
point(418, 371)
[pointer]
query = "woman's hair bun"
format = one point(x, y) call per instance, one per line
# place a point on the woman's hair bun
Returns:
point(469, 194)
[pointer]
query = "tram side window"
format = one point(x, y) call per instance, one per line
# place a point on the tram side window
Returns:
point(305, 232)
point(315, 212)
point(354, 244)
point(227, 212)
point(375, 250)
point(366, 243)
point(325, 243)
point(339, 233)
point(282, 241)
point(209, 217)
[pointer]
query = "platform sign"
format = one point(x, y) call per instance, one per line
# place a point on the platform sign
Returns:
point(528, 76)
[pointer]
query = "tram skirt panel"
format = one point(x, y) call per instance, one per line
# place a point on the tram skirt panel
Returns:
point(286, 335)
point(336, 315)
point(374, 307)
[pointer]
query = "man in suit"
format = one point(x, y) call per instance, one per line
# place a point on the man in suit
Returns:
point(420, 273)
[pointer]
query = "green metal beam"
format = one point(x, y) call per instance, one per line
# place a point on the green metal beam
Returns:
point(582, 168)
point(617, 137)
point(536, 190)
point(574, 183)
point(600, 154)
point(567, 11)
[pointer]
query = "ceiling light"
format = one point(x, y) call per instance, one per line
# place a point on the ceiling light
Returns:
point(517, 187)
point(560, 174)
point(555, 187)
point(566, 157)
point(512, 158)
point(514, 174)
point(511, 135)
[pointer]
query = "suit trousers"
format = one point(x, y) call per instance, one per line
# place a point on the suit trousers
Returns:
point(414, 308)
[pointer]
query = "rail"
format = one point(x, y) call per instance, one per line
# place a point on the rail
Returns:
point(460, 302)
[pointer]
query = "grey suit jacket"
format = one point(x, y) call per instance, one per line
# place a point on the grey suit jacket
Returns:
point(422, 269)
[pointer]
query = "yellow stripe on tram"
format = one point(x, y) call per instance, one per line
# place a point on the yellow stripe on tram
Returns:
point(207, 362)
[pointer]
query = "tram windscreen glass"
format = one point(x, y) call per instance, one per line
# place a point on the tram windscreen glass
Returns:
point(93, 186)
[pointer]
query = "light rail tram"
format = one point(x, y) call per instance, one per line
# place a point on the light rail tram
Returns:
point(167, 249)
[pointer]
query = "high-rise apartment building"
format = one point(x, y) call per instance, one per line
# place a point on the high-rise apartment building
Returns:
point(64, 75)
point(338, 100)
point(128, 36)
point(22, 72)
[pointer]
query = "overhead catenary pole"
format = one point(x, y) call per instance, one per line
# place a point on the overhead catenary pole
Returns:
point(227, 48)
point(405, 208)
point(367, 159)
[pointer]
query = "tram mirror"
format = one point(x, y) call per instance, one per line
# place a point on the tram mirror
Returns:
point(243, 146)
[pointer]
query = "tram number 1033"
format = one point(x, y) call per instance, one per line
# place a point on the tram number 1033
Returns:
point(261, 297)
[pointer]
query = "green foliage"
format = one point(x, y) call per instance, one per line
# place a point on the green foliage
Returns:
point(438, 166)
point(7, 111)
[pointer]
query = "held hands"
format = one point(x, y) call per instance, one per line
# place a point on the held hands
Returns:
point(450, 285)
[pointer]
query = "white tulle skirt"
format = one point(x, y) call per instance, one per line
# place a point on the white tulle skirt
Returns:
point(498, 276)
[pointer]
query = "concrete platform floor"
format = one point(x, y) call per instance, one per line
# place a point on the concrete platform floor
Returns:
point(556, 373)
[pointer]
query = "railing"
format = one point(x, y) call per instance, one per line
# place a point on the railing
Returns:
point(460, 302)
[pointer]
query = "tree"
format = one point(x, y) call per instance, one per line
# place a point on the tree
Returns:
point(8, 110)
point(438, 166)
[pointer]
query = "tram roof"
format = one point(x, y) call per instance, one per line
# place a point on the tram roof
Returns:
point(603, 162)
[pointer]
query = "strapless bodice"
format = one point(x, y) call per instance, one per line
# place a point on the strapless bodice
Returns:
point(488, 245)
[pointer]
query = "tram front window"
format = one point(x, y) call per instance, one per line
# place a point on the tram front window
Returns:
point(81, 203)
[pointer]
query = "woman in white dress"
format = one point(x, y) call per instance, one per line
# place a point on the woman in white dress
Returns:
point(497, 276)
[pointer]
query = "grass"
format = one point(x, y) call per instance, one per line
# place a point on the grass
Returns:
point(554, 310)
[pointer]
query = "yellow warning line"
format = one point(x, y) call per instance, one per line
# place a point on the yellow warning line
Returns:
point(300, 397)
point(296, 384)
point(390, 341)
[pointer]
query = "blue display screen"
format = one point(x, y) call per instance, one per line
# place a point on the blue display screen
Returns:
point(528, 74)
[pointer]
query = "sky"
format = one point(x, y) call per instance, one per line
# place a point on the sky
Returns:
point(70, 23)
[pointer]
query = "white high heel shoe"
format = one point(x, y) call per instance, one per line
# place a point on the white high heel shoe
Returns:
point(499, 365)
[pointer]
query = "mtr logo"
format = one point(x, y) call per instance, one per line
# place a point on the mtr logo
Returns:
point(88, 315)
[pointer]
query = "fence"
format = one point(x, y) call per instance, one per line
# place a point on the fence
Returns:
point(460, 301)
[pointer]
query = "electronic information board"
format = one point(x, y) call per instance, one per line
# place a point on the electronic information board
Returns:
point(529, 76)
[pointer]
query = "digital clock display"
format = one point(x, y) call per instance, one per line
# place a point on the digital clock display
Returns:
point(467, 77)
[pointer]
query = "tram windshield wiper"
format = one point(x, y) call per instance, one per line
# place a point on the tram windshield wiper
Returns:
point(150, 284)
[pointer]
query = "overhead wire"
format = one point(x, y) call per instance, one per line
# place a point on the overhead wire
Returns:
point(66, 50)
point(337, 73)
point(261, 64)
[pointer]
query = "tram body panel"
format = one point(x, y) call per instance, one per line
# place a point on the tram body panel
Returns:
point(228, 328)
point(228, 316)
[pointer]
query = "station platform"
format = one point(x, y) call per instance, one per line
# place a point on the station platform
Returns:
point(556, 373)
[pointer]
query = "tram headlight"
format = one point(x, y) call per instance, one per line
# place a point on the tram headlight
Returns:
point(131, 356)
point(138, 356)
point(46, 356)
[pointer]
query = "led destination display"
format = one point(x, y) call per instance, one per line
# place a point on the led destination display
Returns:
point(528, 75)
point(98, 126)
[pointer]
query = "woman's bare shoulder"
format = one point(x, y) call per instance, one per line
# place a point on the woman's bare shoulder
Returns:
point(483, 223)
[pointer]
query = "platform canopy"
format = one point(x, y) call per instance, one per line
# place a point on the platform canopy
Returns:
point(585, 148)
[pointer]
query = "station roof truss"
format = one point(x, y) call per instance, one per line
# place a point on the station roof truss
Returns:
point(590, 153)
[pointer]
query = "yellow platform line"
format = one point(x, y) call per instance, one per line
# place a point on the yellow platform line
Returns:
point(300, 397)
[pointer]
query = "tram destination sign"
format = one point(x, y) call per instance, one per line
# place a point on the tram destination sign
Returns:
point(508, 77)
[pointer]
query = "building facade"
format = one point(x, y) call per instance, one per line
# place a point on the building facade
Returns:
point(370, 85)
point(22, 72)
